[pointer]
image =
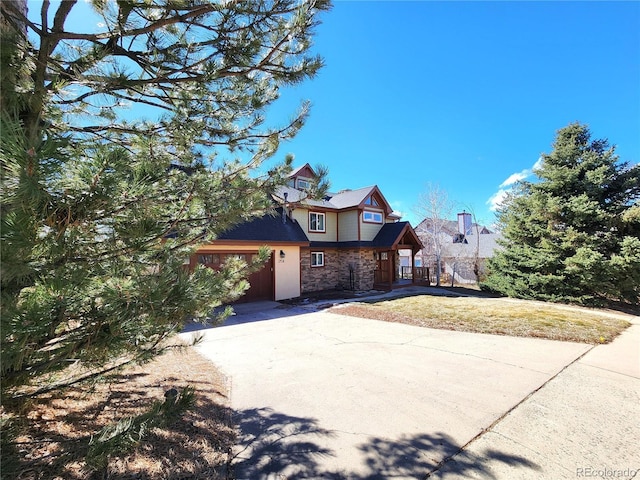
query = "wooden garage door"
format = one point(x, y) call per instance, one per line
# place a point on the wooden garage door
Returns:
point(261, 282)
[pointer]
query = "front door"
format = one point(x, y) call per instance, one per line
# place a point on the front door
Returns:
point(383, 272)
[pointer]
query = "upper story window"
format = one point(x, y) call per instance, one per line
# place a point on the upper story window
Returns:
point(303, 184)
point(372, 201)
point(316, 222)
point(372, 217)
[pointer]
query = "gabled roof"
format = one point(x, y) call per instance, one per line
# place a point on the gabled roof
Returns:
point(297, 171)
point(398, 233)
point(482, 245)
point(293, 194)
point(268, 228)
point(450, 227)
point(356, 198)
point(336, 201)
point(350, 198)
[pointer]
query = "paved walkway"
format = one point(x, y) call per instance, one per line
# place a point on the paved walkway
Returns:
point(320, 395)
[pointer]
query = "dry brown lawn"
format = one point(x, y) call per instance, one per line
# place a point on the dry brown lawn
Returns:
point(197, 446)
point(500, 316)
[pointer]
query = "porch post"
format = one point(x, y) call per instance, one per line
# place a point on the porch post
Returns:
point(391, 260)
point(413, 267)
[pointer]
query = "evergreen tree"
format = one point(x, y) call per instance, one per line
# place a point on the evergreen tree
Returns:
point(101, 206)
point(573, 235)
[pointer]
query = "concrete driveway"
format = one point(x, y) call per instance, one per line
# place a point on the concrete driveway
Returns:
point(320, 395)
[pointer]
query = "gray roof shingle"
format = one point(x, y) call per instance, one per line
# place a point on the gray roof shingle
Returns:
point(389, 233)
point(268, 228)
point(338, 201)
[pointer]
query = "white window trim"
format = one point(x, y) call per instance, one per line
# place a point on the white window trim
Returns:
point(303, 184)
point(373, 214)
point(324, 222)
point(317, 255)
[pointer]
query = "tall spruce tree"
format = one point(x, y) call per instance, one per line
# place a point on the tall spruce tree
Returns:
point(574, 234)
point(124, 146)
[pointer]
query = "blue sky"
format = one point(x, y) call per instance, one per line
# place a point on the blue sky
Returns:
point(464, 95)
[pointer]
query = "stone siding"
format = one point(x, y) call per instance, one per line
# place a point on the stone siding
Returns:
point(315, 279)
point(336, 273)
point(363, 264)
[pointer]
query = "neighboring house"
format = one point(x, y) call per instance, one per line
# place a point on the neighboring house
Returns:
point(466, 246)
point(346, 240)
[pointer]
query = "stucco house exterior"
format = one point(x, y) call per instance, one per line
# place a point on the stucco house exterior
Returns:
point(466, 246)
point(346, 240)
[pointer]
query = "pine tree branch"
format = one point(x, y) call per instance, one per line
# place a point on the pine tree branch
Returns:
point(141, 355)
point(192, 12)
point(81, 232)
point(61, 16)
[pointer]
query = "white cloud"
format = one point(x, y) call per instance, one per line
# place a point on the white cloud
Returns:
point(518, 176)
point(397, 208)
point(504, 188)
point(537, 165)
point(496, 199)
point(515, 177)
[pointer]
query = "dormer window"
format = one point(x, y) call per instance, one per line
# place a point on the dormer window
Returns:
point(460, 238)
point(303, 184)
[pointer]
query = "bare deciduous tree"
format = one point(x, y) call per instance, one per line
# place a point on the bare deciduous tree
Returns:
point(435, 207)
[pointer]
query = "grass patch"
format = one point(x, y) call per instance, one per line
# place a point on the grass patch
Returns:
point(500, 316)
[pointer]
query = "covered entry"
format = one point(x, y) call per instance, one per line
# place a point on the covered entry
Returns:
point(392, 238)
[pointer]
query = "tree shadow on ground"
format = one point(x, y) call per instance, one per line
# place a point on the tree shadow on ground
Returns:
point(279, 446)
point(419, 456)
point(249, 313)
point(271, 443)
point(49, 437)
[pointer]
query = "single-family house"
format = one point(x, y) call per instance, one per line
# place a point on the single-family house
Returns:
point(465, 246)
point(346, 240)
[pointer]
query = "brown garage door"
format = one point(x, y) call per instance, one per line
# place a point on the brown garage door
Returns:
point(261, 282)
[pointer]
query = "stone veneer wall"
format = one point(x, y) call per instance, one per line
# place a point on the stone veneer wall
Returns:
point(363, 267)
point(315, 279)
point(335, 273)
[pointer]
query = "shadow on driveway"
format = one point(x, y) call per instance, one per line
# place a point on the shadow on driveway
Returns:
point(275, 445)
point(251, 312)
